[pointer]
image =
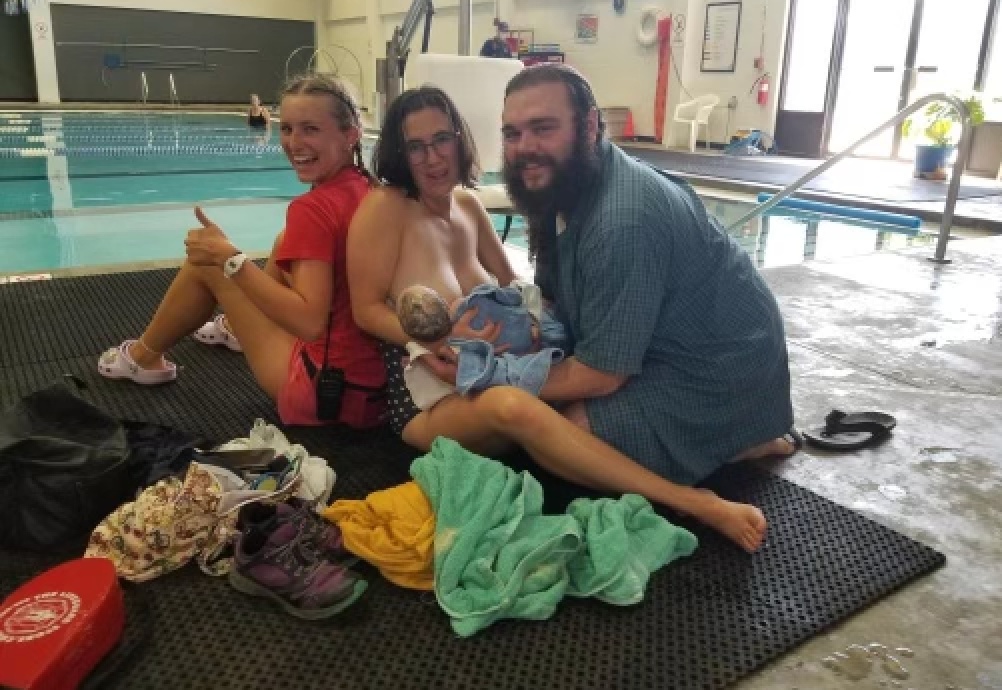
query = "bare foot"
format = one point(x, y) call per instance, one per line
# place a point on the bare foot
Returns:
point(145, 359)
point(742, 523)
point(778, 447)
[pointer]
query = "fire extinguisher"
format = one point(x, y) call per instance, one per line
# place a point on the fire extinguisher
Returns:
point(763, 89)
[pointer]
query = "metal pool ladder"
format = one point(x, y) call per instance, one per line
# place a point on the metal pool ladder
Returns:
point(144, 88)
point(174, 100)
point(963, 152)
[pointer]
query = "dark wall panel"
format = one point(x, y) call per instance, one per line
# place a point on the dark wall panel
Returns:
point(17, 64)
point(137, 41)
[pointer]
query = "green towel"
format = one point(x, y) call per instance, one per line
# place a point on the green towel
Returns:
point(497, 556)
point(624, 542)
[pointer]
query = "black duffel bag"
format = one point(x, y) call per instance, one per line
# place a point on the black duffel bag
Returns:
point(63, 468)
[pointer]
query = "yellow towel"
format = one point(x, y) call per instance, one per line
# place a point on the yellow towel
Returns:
point(394, 529)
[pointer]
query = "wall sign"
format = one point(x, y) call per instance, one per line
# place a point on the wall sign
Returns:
point(720, 37)
point(586, 28)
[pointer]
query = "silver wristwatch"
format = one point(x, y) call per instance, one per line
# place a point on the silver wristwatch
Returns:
point(234, 264)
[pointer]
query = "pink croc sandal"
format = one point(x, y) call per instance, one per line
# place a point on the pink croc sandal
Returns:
point(117, 364)
point(215, 332)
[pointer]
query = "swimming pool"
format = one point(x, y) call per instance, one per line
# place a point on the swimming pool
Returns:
point(100, 188)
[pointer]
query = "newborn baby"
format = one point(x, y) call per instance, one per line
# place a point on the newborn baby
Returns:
point(530, 338)
point(423, 314)
point(427, 318)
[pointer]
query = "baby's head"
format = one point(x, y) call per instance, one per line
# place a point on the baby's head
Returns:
point(423, 314)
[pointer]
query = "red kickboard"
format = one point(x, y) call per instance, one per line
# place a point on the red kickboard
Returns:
point(55, 628)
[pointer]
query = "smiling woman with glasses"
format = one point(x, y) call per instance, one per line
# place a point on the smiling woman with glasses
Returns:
point(422, 227)
point(442, 144)
point(398, 150)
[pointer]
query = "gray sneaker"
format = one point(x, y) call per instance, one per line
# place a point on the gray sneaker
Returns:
point(278, 564)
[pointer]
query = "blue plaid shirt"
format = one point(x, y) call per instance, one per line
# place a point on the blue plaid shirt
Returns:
point(650, 287)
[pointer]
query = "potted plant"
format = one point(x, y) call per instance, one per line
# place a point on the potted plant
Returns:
point(936, 124)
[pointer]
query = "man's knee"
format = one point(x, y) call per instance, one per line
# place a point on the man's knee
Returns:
point(577, 413)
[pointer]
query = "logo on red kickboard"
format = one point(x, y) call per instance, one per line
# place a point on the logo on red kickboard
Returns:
point(37, 616)
point(56, 627)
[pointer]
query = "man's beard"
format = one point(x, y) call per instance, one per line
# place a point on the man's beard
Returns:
point(570, 182)
point(570, 179)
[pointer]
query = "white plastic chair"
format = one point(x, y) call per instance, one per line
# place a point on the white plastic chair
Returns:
point(695, 113)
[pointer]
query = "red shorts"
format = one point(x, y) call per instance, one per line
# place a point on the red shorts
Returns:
point(297, 401)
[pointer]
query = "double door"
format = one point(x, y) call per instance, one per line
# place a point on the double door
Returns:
point(852, 64)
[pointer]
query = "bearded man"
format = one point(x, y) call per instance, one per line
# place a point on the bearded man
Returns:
point(679, 356)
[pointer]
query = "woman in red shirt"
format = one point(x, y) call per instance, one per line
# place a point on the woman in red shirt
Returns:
point(292, 315)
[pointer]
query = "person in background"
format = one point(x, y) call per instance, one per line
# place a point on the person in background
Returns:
point(259, 121)
point(292, 316)
point(258, 117)
point(496, 46)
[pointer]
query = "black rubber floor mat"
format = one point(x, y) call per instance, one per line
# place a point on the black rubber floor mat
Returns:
point(706, 622)
point(69, 317)
point(779, 173)
point(59, 319)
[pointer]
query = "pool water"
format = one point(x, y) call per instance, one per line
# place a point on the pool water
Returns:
point(92, 189)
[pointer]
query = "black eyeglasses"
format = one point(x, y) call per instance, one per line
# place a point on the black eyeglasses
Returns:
point(417, 150)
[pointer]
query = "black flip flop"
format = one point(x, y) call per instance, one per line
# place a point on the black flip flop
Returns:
point(885, 420)
point(843, 431)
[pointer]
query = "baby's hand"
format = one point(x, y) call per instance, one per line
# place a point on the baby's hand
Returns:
point(489, 333)
point(463, 328)
point(537, 336)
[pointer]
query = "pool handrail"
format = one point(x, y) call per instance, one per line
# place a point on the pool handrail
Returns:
point(963, 151)
point(144, 87)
